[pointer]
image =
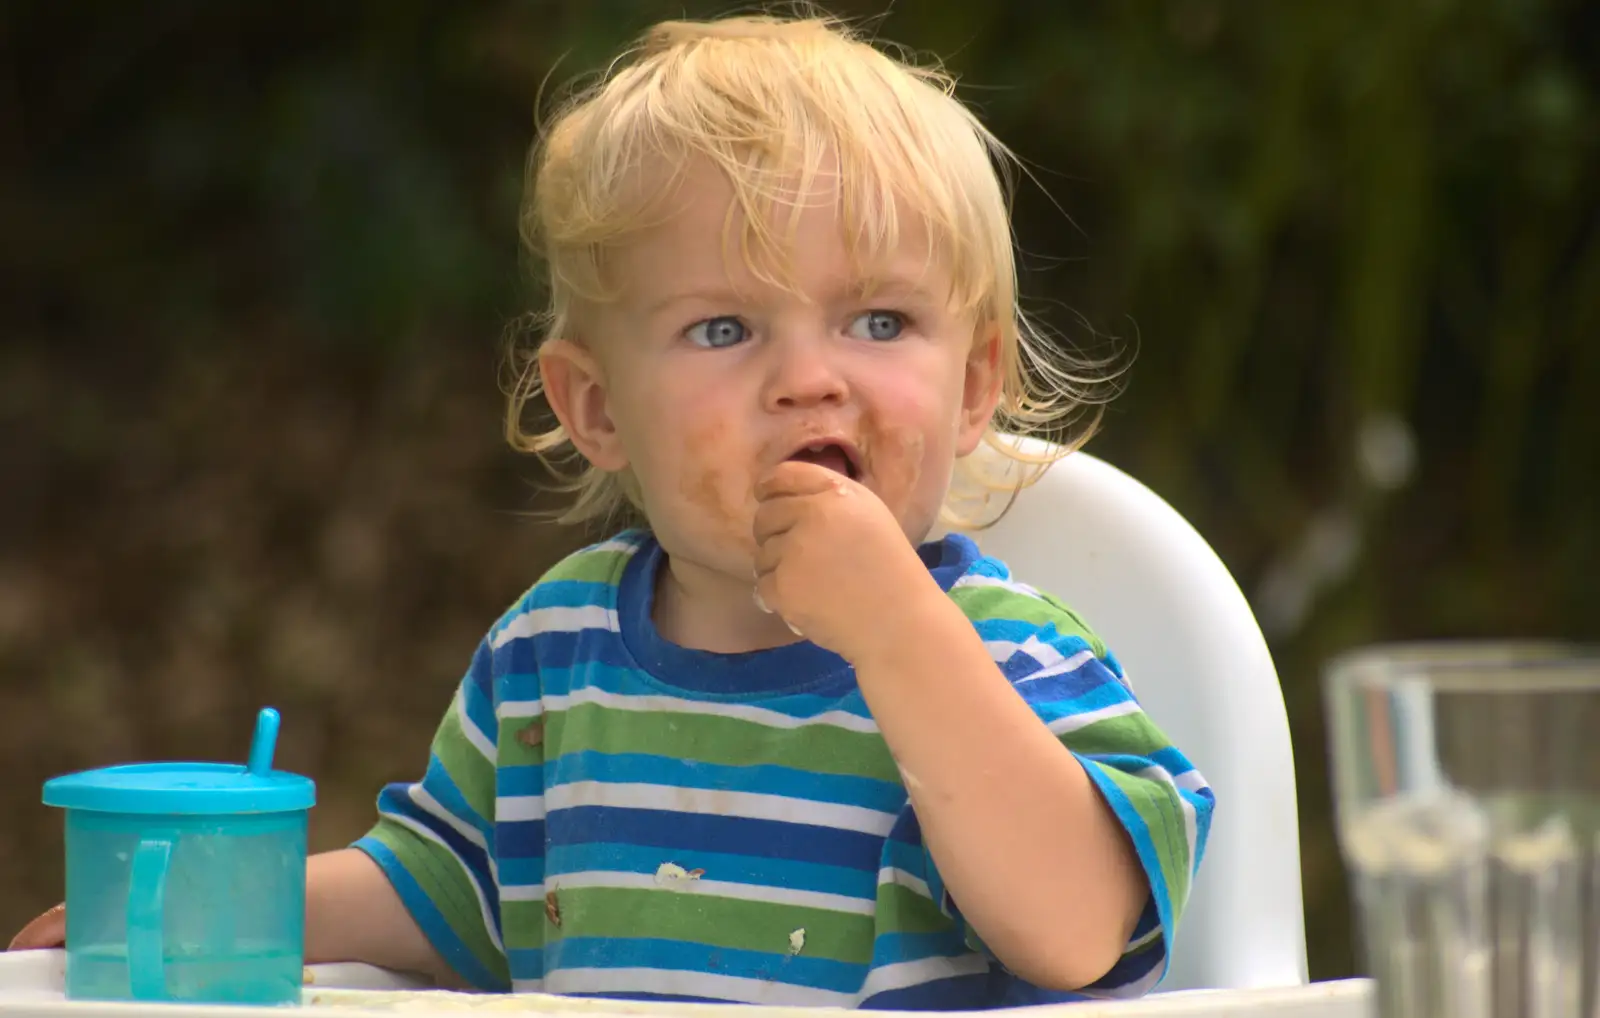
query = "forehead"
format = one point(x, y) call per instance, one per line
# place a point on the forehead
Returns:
point(795, 234)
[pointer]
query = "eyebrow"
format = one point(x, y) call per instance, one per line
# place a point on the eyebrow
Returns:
point(891, 283)
point(708, 295)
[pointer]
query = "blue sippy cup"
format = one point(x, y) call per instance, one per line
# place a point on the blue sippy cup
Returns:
point(187, 881)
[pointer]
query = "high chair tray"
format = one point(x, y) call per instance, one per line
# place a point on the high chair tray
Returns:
point(31, 987)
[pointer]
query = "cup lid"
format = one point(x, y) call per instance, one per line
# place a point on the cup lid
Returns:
point(190, 788)
point(181, 788)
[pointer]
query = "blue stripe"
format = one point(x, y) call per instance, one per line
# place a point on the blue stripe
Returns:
point(439, 784)
point(890, 948)
point(1144, 847)
point(761, 871)
point(687, 956)
point(526, 962)
point(670, 998)
point(574, 594)
point(477, 698)
point(430, 920)
point(480, 673)
point(1047, 700)
point(611, 669)
point(518, 839)
point(978, 992)
point(769, 779)
point(519, 779)
point(1018, 631)
point(737, 835)
point(395, 800)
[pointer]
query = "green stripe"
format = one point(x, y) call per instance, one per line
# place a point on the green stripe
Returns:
point(443, 879)
point(523, 924)
point(591, 567)
point(1127, 734)
point(628, 912)
point(983, 603)
point(903, 910)
point(718, 739)
point(472, 773)
point(1162, 809)
point(511, 751)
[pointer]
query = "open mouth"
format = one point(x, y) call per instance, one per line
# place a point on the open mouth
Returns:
point(836, 457)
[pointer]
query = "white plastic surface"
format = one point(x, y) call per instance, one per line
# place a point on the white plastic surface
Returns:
point(31, 981)
point(1155, 591)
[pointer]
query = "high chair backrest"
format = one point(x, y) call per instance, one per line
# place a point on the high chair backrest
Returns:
point(1164, 603)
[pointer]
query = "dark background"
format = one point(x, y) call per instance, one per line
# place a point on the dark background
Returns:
point(256, 259)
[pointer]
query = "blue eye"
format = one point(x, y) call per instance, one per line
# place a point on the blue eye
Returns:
point(716, 333)
point(877, 325)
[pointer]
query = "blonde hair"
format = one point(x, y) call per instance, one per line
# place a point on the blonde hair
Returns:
point(769, 101)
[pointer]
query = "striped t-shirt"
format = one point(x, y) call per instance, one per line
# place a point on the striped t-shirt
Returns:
point(607, 814)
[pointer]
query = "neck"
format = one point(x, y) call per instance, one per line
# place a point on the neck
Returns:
point(702, 609)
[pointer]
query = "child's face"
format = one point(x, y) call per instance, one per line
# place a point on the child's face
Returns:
point(702, 377)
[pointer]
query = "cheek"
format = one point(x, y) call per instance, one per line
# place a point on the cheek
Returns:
point(712, 478)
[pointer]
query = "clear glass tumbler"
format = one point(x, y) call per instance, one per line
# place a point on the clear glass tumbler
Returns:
point(1467, 793)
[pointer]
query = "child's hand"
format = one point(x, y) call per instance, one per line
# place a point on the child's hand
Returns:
point(49, 930)
point(830, 557)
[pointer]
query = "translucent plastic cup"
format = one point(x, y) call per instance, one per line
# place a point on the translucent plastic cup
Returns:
point(186, 881)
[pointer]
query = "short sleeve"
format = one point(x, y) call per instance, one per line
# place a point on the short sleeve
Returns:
point(434, 837)
point(1078, 689)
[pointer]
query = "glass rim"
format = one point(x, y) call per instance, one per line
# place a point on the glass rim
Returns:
point(1467, 666)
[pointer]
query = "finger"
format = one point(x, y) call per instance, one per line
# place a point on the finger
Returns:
point(797, 477)
point(769, 554)
point(48, 930)
point(778, 516)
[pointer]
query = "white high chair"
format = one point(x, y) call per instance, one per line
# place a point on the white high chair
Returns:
point(1154, 590)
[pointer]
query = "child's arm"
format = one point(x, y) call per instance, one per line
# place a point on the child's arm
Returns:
point(354, 914)
point(1041, 868)
point(1070, 867)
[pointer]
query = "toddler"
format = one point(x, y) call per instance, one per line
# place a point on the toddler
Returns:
point(772, 742)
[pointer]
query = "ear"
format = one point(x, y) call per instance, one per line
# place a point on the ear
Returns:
point(981, 393)
point(575, 387)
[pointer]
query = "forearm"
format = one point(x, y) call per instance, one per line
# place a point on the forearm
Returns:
point(353, 913)
point(1025, 844)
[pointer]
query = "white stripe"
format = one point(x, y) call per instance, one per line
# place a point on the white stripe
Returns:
point(1156, 772)
point(923, 970)
point(1061, 667)
point(896, 875)
point(475, 735)
point(518, 709)
point(556, 619)
point(744, 712)
point(434, 808)
point(692, 984)
point(522, 892)
point(477, 892)
point(1044, 653)
point(509, 808)
point(980, 580)
point(1073, 722)
point(718, 802)
point(720, 889)
point(1002, 650)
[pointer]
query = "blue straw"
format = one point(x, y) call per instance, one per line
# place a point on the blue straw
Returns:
point(265, 741)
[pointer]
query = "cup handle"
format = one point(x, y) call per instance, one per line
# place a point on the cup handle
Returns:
point(147, 895)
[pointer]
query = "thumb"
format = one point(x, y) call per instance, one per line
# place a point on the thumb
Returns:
point(49, 930)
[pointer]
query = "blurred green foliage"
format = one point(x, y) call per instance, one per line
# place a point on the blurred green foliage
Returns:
point(257, 259)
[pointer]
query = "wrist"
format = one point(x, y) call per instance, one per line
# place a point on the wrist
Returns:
point(923, 623)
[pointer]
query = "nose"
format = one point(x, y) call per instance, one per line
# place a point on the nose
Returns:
point(804, 372)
